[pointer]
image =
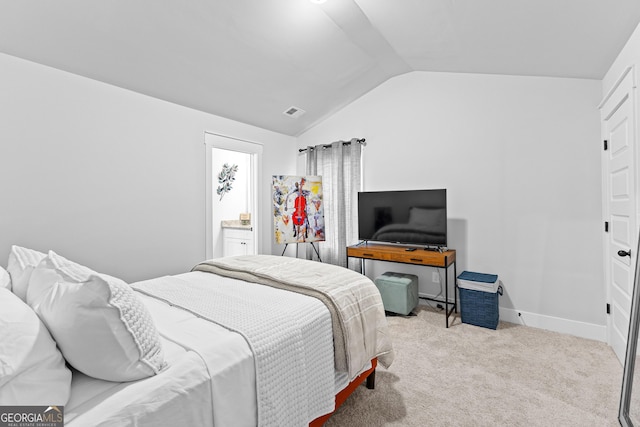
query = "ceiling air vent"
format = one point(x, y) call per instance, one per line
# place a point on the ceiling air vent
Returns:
point(294, 112)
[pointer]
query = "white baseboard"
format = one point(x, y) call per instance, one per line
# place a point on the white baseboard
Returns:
point(550, 323)
point(556, 324)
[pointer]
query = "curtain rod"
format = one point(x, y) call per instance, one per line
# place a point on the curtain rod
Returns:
point(360, 141)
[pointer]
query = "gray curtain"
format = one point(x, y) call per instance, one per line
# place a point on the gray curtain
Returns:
point(340, 166)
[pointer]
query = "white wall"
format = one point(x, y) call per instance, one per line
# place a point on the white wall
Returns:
point(235, 201)
point(115, 180)
point(519, 157)
point(108, 177)
point(628, 56)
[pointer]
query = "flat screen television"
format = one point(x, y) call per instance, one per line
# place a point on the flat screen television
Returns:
point(415, 217)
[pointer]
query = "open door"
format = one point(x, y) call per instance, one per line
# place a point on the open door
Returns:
point(242, 198)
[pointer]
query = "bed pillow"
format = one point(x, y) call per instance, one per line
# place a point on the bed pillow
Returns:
point(32, 370)
point(101, 326)
point(21, 263)
point(5, 279)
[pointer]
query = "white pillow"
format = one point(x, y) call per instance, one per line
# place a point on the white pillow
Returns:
point(32, 370)
point(21, 263)
point(101, 326)
point(5, 279)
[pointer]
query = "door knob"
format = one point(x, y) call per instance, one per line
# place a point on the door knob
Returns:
point(624, 253)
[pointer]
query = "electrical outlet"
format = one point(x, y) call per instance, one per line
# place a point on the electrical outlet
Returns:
point(435, 277)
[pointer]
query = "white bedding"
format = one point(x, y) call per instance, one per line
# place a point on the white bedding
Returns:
point(290, 336)
point(208, 367)
point(354, 302)
point(207, 364)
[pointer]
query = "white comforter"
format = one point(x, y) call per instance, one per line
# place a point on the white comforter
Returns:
point(202, 372)
point(358, 318)
point(210, 379)
point(290, 336)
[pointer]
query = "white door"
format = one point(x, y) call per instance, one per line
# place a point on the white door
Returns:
point(620, 209)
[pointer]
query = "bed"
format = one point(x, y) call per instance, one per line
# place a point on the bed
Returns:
point(308, 335)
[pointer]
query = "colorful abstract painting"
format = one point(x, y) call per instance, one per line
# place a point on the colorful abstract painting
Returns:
point(298, 212)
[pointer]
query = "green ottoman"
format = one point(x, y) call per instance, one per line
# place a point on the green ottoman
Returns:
point(399, 291)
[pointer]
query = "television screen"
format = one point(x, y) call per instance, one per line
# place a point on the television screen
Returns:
point(417, 217)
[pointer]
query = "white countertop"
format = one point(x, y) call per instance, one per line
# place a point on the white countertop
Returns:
point(235, 223)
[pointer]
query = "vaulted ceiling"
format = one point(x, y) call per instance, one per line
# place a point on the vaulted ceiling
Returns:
point(251, 60)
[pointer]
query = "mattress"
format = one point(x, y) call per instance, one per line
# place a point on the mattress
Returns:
point(210, 380)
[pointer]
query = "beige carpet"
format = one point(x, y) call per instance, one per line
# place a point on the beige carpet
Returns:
point(472, 376)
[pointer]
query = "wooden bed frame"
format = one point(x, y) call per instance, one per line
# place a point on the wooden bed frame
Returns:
point(341, 397)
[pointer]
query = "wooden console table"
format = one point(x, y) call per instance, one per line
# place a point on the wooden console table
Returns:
point(401, 254)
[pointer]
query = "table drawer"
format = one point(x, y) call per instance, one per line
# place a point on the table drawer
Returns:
point(400, 254)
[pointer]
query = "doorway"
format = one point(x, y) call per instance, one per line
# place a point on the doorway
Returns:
point(232, 207)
